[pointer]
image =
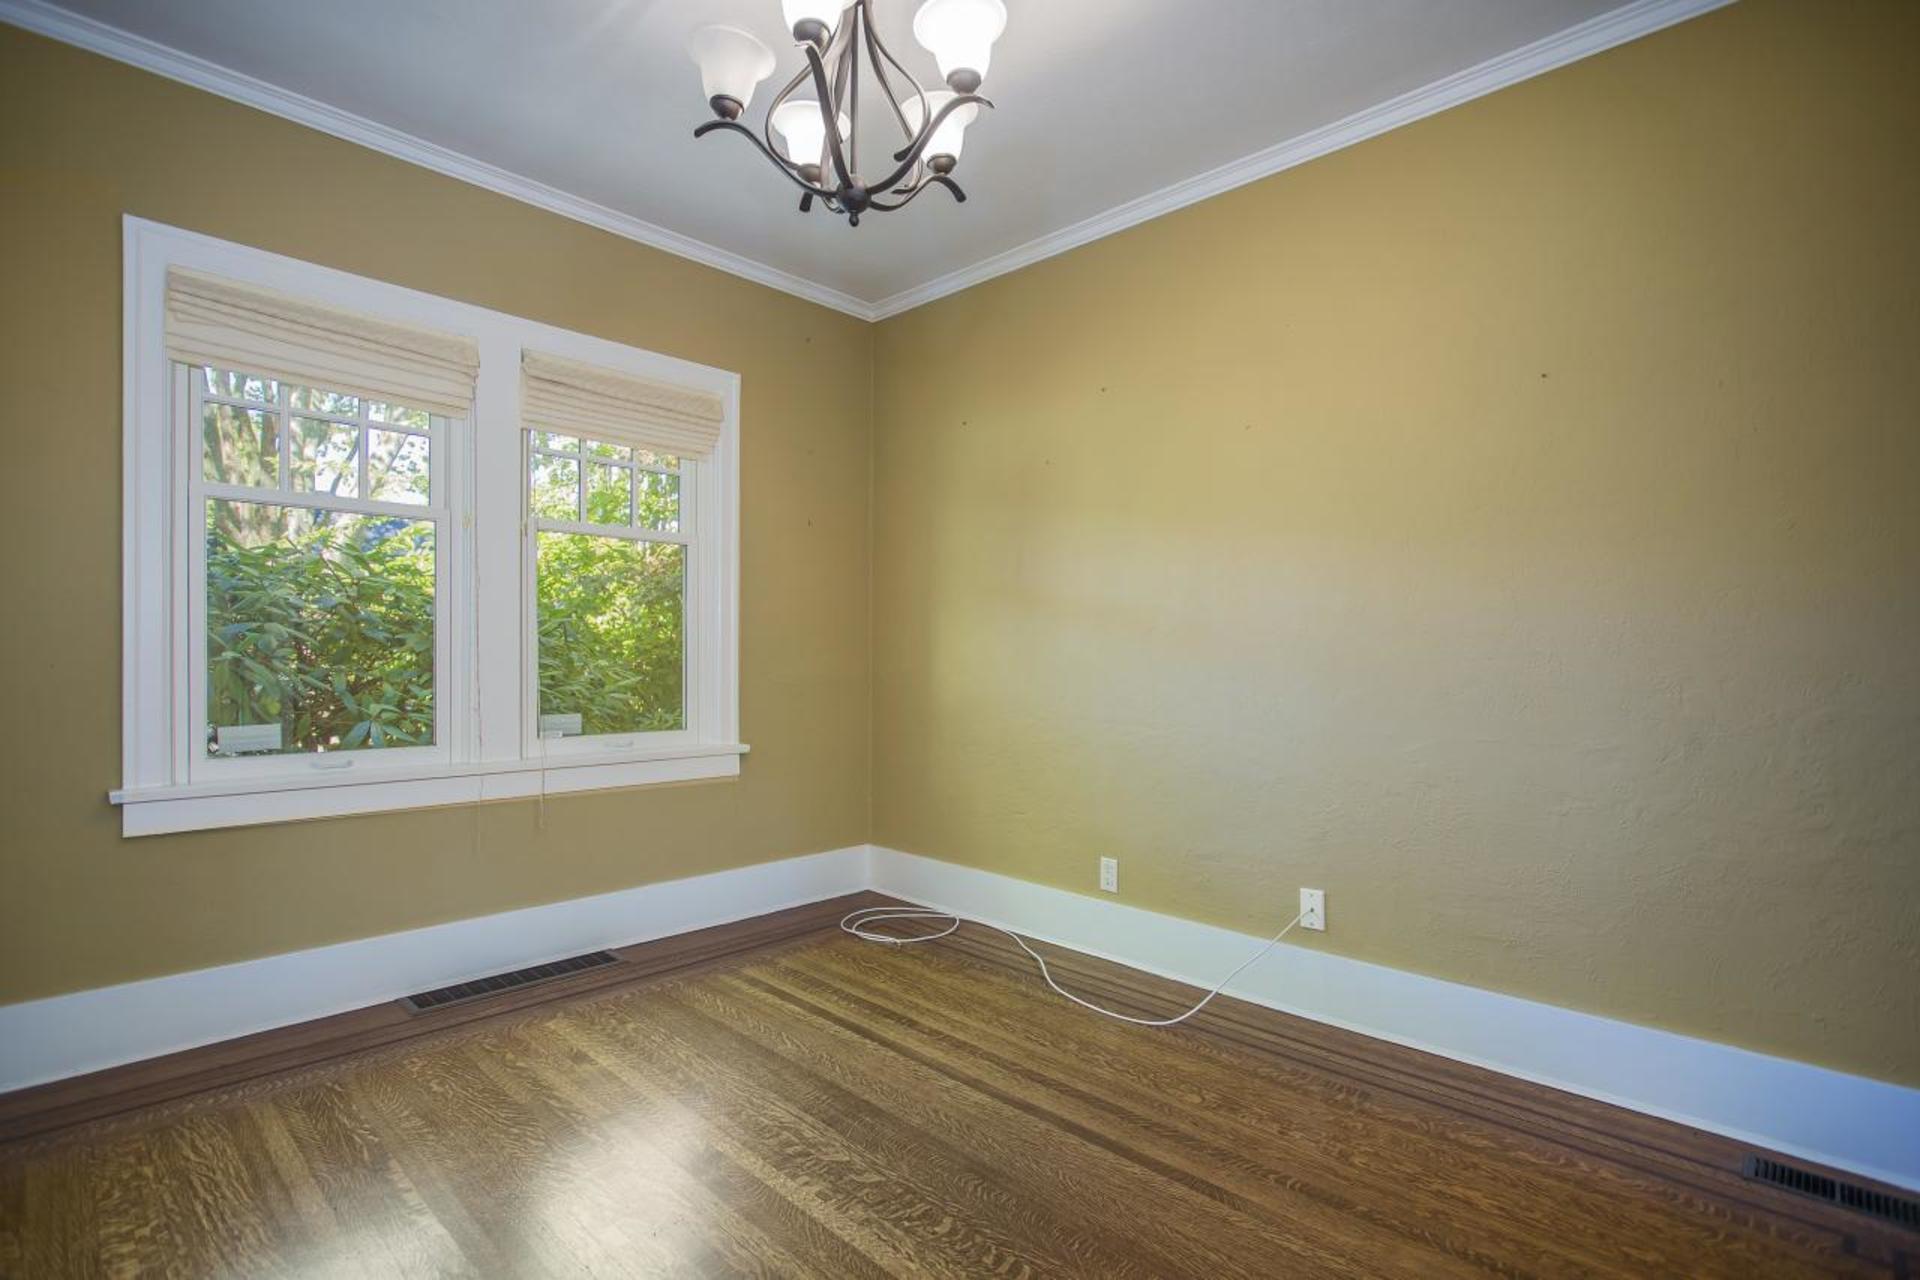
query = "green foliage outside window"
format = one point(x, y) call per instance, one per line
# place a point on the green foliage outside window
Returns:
point(321, 623)
point(611, 619)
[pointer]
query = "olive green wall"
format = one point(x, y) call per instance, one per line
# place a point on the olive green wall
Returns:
point(1507, 524)
point(83, 140)
point(1510, 524)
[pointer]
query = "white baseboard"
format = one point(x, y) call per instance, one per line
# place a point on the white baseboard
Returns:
point(1866, 1126)
point(42, 1040)
point(1850, 1122)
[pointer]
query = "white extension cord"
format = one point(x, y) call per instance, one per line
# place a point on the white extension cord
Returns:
point(859, 924)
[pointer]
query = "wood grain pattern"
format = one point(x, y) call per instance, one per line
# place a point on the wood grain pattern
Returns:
point(780, 1100)
point(43, 1109)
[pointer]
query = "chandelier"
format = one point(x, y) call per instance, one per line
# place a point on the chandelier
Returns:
point(819, 136)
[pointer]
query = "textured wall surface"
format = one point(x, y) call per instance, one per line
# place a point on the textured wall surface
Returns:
point(83, 140)
point(1510, 524)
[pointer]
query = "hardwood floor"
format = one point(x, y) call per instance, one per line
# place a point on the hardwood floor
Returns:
point(817, 1106)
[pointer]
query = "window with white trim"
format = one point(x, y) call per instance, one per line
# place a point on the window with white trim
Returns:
point(609, 563)
point(318, 606)
point(386, 550)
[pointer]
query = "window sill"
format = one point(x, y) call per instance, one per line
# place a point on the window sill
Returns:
point(147, 811)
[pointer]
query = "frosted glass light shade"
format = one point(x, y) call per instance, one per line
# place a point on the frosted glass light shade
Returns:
point(824, 12)
point(731, 62)
point(804, 130)
point(960, 33)
point(951, 133)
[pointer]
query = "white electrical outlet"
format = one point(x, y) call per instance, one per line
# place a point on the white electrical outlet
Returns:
point(1110, 874)
point(1313, 909)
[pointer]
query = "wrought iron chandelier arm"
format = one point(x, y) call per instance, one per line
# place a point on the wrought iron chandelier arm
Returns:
point(911, 155)
point(846, 86)
point(782, 165)
point(834, 64)
point(880, 56)
point(828, 109)
point(959, 196)
point(911, 152)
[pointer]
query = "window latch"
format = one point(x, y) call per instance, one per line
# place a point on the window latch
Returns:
point(331, 762)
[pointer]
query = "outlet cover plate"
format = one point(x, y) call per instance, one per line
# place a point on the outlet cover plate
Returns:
point(1110, 874)
point(1313, 909)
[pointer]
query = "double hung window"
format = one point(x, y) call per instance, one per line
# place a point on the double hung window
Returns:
point(609, 560)
point(317, 572)
point(386, 550)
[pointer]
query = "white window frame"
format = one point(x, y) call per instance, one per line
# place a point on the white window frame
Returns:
point(485, 696)
point(190, 553)
point(690, 536)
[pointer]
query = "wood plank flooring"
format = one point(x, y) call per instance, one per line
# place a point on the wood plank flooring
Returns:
point(818, 1106)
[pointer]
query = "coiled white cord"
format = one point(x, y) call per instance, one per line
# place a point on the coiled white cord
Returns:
point(859, 924)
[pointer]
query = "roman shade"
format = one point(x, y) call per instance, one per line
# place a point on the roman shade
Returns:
point(215, 321)
point(573, 398)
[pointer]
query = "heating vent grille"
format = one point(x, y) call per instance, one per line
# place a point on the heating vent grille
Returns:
point(424, 1000)
point(1848, 1195)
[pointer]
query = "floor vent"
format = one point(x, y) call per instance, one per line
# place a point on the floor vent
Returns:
point(425, 1000)
point(1848, 1195)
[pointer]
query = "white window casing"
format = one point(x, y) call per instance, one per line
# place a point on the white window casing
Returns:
point(237, 306)
point(450, 559)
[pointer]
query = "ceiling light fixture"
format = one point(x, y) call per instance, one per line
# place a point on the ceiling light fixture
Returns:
point(819, 147)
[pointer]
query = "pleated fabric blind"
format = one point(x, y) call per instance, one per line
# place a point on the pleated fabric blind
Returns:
point(573, 398)
point(221, 322)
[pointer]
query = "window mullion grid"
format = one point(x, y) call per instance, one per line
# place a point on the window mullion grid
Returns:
point(201, 490)
point(333, 416)
point(364, 472)
point(692, 698)
point(628, 533)
point(634, 469)
point(314, 500)
point(194, 715)
point(282, 398)
point(628, 463)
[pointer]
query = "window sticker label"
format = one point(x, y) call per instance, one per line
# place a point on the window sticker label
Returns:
point(239, 739)
point(560, 726)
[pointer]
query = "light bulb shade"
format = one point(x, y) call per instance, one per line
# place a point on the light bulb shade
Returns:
point(951, 132)
point(731, 62)
point(803, 128)
point(824, 12)
point(960, 33)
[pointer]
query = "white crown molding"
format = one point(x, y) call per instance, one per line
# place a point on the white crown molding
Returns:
point(1595, 35)
point(1630, 22)
point(98, 37)
point(1849, 1122)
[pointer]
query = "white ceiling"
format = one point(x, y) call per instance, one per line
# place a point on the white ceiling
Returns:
point(1099, 102)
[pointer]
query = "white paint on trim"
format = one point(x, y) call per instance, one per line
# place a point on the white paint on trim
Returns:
point(98, 37)
point(160, 810)
point(1850, 1122)
point(50, 1039)
point(1642, 17)
point(1596, 35)
point(491, 751)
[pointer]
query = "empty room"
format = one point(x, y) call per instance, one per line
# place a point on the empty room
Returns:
point(856, 638)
